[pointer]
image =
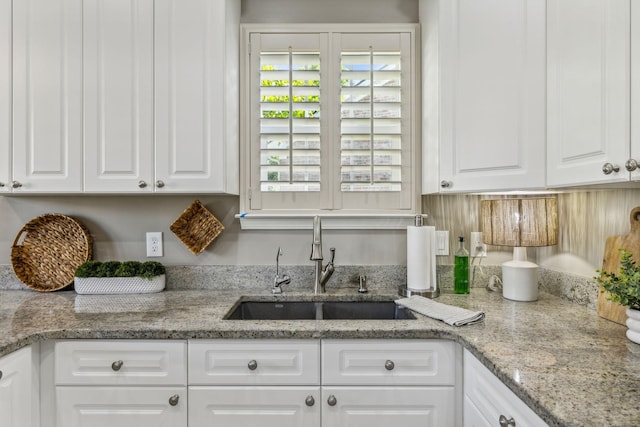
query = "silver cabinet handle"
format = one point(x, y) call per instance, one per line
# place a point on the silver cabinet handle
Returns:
point(631, 165)
point(389, 365)
point(142, 184)
point(117, 365)
point(310, 401)
point(16, 184)
point(159, 183)
point(608, 168)
point(332, 400)
point(173, 400)
point(446, 184)
point(504, 422)
point(252, 365)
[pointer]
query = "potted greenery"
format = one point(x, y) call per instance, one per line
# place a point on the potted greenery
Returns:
point(624, 288)
point(115, 277)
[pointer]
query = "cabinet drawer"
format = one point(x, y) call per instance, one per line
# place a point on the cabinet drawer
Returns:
point(121, 406)
point(120, 362)
point(254, 362)
point(388, 362)
point(492, 398)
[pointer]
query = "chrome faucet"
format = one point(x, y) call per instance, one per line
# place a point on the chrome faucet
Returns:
point(279, 280)
point(322, 274)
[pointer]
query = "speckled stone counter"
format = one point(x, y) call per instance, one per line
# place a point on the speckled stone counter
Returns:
point(570, 366)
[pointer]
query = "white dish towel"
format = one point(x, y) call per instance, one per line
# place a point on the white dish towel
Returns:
point(454, 316)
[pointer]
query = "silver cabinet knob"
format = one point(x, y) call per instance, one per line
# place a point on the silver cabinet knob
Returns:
point(631, 165)
point(116, 365)
point(159, 183)
point(332, 400)
point(446, 184)
point(252, 365)
point(310, 401)
point(16, 184)
point(173, 400)
point(389, 365)
point(0, 375)
point(608, 168)
point(504, 422)
point(142, 184)
point(1, 184)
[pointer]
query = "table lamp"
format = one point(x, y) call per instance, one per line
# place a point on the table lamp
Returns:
point(520, 223)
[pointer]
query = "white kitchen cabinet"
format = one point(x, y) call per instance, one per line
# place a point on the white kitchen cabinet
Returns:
point(484, 65)
point(118, 96)
point(592, 122)
point(254, 383)
point(47, 96)
point(5, 94)
point(275, 406)
point(385, 406)
point(377, 382)
point(197, 95)
point(487, 399)
point(19, 403)
point(121, 382)
point(101, 406)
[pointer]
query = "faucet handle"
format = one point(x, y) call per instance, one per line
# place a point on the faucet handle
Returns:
point(333, 255)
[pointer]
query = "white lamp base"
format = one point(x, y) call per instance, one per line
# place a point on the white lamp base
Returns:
point(520, 277)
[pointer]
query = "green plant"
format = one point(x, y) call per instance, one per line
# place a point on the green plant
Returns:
point(150, 269)
point(88, 269)
point(624, 286)
point(108, 269)
point(147, 270)
point(128, 269)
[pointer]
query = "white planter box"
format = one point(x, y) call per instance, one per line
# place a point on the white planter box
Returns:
point(118, 285)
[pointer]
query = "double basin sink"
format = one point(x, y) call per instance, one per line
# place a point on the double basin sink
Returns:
point(319, 310)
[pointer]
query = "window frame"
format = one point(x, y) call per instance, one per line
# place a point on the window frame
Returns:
point(386, 217)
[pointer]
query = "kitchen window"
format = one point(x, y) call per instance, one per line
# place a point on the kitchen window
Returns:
point(329, 120)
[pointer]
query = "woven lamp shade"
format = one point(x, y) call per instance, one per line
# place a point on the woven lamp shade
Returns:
point(520, 222)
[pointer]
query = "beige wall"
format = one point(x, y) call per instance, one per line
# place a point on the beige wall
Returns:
point(118, 225)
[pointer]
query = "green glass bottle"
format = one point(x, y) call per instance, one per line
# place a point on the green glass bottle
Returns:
point(461, 269)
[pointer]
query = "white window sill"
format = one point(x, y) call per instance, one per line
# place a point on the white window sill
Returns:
point(330, 221)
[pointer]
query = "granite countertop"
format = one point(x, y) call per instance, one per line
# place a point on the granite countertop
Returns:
point(570, 366)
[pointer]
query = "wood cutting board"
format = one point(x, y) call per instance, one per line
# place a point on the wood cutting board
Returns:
point(611, 263)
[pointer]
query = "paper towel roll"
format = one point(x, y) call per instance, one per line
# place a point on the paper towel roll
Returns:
point(421, 258)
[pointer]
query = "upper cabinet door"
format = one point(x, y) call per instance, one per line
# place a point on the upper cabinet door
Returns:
point(5, 95)
point(118, 95)
point(588, 91)
point(635, 88)
point(196, 64)
point(47, 97)
point(483, 94)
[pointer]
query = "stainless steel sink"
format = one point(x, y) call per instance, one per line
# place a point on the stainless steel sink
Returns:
point(321, 310)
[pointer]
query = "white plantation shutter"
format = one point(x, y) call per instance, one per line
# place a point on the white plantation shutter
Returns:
point(290, 121)
point(331, 123)
point(371, 121)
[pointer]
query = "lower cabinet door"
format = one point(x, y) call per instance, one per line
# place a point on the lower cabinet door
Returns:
point(472, 415)
point(277, 406)
point(388, 406)
point(105, 406)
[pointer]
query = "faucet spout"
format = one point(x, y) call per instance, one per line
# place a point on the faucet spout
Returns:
point(322, 274)
point(316, 245)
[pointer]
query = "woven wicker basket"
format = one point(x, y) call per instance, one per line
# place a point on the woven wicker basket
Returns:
point(196, 227)
point(48, 250)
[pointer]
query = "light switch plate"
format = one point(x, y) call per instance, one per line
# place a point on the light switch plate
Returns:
point(442, 242)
